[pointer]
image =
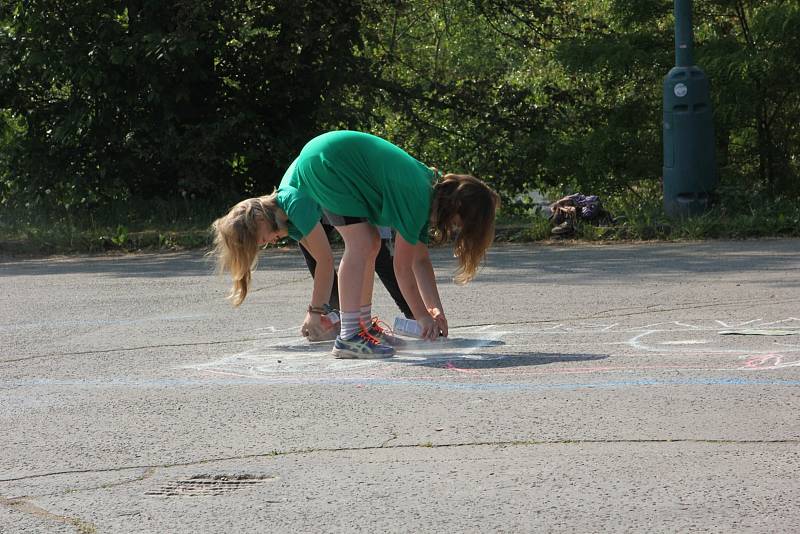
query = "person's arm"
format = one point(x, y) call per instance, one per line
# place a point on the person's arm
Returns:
point(426, 278)
point(407, 272)
point(317, 244)
point(426, 281)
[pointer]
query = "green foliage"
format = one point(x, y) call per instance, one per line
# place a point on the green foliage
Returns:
point(136, 112)
point(121, 236)
point(116, 101)
point(568, 94)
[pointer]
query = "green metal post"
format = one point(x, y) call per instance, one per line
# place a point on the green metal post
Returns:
point(690, 169)
point(684, 37)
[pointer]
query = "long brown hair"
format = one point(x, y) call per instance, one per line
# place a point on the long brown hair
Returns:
point(236, 241)
point(475, 203)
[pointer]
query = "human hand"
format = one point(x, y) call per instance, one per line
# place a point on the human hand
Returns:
point(440, 320)
point(430, 330)
point(312, 326)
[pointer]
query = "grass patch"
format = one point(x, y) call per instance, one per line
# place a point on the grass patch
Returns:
point(59, 239)
point(124, 226)
point(714, 224)
point(639, 216)
point(186, 226)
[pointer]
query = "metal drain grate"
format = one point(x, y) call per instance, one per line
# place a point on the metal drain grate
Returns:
point(208, 485)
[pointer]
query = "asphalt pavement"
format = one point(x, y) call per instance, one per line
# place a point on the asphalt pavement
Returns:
point(584, 388)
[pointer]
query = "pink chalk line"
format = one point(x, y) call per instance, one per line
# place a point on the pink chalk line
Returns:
point(449, 365)
point(768, 361)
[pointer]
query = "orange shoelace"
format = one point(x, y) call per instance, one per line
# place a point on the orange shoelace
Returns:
point(364, 334)
point(376, 324)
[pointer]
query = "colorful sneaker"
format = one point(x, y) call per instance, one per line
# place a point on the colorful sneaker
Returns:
point(384, 335)
point(362, 346)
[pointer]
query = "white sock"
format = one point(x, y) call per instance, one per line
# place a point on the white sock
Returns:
point(366, 315)
point(351, 324)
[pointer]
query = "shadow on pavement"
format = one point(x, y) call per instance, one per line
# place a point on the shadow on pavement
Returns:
point(410, 345)
point(494, 360)
point(588, 264)
point(448, 356)
point(507, 264)
point(150, 265)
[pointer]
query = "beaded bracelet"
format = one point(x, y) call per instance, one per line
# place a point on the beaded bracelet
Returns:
point(314, 309)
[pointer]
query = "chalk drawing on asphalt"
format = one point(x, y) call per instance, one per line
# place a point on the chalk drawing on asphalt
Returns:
point(683, 345)
point(296, 356)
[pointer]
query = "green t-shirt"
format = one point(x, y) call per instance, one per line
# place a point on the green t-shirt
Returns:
point(360, 175)
point(303, 212)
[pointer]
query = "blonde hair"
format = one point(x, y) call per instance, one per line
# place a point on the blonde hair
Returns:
point(475, 203)
point(235, 246)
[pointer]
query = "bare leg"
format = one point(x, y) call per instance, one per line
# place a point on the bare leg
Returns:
point(357, 268)
point(356, 278)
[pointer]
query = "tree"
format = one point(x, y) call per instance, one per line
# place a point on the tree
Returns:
point(146, 99)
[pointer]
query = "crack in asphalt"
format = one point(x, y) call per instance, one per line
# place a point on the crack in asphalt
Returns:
point(615, 312)
point(147, 473)
point(125, 349)
point(428, 445)
point(25, 506)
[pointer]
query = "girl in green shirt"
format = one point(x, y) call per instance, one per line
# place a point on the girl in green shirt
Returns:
point(361, 182)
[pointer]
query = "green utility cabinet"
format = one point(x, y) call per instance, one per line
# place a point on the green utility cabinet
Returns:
point(690, 168)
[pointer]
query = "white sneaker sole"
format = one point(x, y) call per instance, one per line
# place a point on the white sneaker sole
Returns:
point(344, 354)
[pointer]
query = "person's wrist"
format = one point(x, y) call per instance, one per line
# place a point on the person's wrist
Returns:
point(319, 310)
